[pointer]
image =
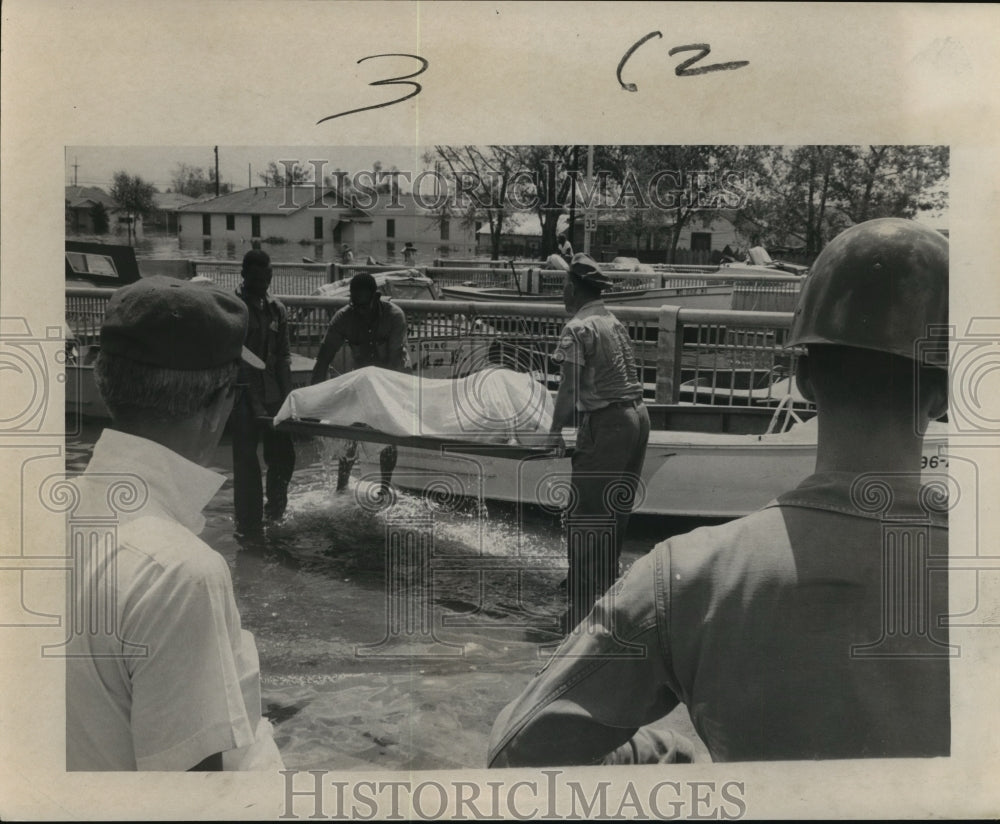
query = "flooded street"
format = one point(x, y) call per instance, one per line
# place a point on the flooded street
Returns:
point(369, 664)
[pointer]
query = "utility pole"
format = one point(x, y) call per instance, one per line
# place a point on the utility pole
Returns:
point(249, 175)
point(589, 218)
point(216, 171)
point(75, 166)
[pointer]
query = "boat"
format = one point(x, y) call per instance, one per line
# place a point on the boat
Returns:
point(647, 285)
point(707, 462)
point(688, 297)
point(106, 265)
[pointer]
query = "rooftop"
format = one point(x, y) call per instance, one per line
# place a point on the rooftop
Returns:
point(263, 200)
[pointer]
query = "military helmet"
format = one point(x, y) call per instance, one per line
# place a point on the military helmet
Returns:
point(880, 285)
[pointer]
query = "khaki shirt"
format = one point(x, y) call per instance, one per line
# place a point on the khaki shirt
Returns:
point(597, 341)
point(774, 630)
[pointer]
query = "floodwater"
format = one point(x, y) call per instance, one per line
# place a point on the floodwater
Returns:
point(162, 246)
point(369, 664)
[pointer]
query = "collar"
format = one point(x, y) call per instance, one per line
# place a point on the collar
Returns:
point(888, 496)
point(591, 307)
point(177, 486)
point(267, 300)
point(375, 316)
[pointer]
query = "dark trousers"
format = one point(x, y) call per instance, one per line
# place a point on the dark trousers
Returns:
point(607, 464)
point(279, 457)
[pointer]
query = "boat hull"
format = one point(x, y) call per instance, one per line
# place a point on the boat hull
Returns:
point(688, 297)
point(711, 475)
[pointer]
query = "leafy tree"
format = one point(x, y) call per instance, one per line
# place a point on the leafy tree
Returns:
point(814, 192)
point(664, 189)
point(134, 196)
point(193, 181)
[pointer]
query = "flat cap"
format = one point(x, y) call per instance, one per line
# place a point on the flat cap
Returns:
point(176, 324)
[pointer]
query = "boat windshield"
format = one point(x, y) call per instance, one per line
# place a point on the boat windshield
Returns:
point(759, 256)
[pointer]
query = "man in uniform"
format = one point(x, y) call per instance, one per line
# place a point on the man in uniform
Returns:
point(600, 383)
point(375, 331)
point(346, 255)
point(796, 632)
point(161, 676)
point(261, 394)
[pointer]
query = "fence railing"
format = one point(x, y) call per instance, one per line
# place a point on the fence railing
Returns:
point(345, 271)
point(701, 356)
point(481, 263)
point(289, 278)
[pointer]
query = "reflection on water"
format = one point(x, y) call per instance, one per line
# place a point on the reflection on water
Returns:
point(172, 247)
point(342, 688)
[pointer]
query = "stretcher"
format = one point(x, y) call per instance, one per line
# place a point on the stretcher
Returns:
point(435, 443)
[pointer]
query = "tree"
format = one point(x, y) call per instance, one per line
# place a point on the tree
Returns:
point(668, 188)
point(484, 175)
point(814, 192)
point(134, 196)
point(548, 184)
point(193, 181)
point(275, 175)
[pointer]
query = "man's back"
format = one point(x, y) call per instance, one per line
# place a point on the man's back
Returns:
point(768, 629)
point(123, 710)
point(786, 641)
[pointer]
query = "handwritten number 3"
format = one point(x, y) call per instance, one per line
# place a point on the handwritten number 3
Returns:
point(402, 80)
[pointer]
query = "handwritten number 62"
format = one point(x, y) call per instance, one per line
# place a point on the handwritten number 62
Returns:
point(402, 80)
point(683, 69)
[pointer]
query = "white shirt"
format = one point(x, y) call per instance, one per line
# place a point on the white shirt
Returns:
point(159, 673)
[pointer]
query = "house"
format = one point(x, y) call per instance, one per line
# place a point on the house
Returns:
point(83, 205)
point(321, 216)
point(521, 237)
point(400, 218)
point(277, 214)
point(164, 214)
point(703, 238)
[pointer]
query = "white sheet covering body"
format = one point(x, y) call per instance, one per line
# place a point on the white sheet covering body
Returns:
point(493, 405)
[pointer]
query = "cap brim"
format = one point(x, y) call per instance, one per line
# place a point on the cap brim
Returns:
point(251, 359)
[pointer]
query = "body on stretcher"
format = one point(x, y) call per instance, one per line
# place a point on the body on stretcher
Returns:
point(494, 412)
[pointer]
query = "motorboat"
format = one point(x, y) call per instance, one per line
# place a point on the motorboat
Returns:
point(703, 461)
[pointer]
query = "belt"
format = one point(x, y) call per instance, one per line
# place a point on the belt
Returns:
point(631, 404)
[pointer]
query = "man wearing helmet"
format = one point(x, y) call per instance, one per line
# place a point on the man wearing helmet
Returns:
point(784, 632)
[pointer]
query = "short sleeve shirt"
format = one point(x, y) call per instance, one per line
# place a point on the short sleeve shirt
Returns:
point(166, 676)
point(596, 341)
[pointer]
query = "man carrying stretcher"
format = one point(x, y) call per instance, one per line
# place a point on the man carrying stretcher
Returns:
point(375, 331)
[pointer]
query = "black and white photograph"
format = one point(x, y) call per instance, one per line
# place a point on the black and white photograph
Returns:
point(536, 411)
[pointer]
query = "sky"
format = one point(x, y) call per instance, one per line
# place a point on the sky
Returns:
point(96, 165)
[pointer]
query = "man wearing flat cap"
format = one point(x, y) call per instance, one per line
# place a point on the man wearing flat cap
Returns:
point(159, 673)
point(600, 384)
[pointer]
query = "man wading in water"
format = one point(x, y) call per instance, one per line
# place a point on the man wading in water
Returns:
point(375, 331)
